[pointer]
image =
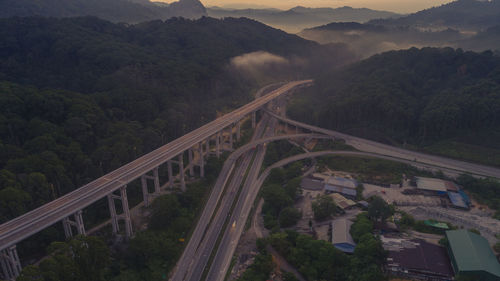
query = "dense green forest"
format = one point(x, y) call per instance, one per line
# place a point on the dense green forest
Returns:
point(80, 97)
point(426, 98)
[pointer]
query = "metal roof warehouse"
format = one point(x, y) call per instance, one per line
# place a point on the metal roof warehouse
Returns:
point(471, 255)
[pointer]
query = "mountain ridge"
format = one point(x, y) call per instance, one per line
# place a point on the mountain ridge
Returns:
point(299, 17)
point(462, 14)
point(113, 10)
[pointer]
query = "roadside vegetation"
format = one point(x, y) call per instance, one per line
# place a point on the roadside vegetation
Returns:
point(485, 191)
point(279, 150)
point(280, 191)
point(371, 170)
point(323, 144)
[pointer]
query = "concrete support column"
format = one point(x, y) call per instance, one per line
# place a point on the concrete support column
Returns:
point(286, 127)
point(114, 217)
point(217, 144)
point(145, 191)
point(254, 119)
point(231, 138)
point(77, 223)
point(283, 110)
point(238, 131)
point(207, 146)
point(126, 212)
point(170, 174)
point(156, 180)
point(296, 129)
point(68, 233)
point(125, 215)
point(10, 263)
point(201, 160)
point(191, 164)
point(181, 171)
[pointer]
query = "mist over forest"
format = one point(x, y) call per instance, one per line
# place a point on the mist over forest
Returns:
point(88, 86)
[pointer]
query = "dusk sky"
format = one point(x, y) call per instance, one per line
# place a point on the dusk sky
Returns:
point(401, 6)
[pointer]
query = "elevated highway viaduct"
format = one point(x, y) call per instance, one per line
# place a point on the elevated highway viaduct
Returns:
point(68, 208)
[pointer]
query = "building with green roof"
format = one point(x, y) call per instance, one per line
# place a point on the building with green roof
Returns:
point(471, 255)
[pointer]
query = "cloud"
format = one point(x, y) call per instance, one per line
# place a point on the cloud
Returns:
point(257, 60)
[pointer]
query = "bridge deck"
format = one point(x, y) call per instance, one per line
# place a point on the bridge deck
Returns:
point(34, 221)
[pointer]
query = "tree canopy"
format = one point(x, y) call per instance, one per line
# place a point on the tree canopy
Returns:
point(420, 97)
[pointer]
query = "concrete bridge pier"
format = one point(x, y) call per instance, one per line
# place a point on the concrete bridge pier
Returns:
point(217, 144)
point(283, 111)
point(201, 160)
point(254, 119)
point(170, 174)
point(181, 171)
point(10, 263)
point(207, 146)
point(191, 164)
point(145, 191)
point(238, 131)
point(231, 137)
point(171, 177)
point(77, 223)
point(125, 216)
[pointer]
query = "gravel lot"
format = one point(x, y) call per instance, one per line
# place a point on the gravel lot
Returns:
point(395, 196)
point(473, 219)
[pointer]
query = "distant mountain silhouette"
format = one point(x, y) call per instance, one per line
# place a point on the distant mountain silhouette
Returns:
point(299, 17)
point(114, 10)
point(462, 14)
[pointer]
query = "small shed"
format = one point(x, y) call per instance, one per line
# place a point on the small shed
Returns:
point(342, 202)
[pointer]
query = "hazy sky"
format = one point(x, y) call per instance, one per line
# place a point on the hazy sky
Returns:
point(401, 6)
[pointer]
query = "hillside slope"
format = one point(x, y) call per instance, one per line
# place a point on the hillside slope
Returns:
point(461, 14)
point(441, 100)
point(82, 96)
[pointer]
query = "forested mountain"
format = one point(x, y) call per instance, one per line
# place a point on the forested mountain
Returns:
point(368, 39)
point(461, 14)
point(113, 10)
point(82, 96)
point(298, 18)
point(467, 24)
point(442, 100)
point(484, 40)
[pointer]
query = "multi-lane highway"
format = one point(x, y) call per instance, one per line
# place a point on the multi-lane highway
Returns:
point(32, 222)
point(383, 149)
point(202, 255)
point(202, 244)
point(232, 234)
point(197, 252)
